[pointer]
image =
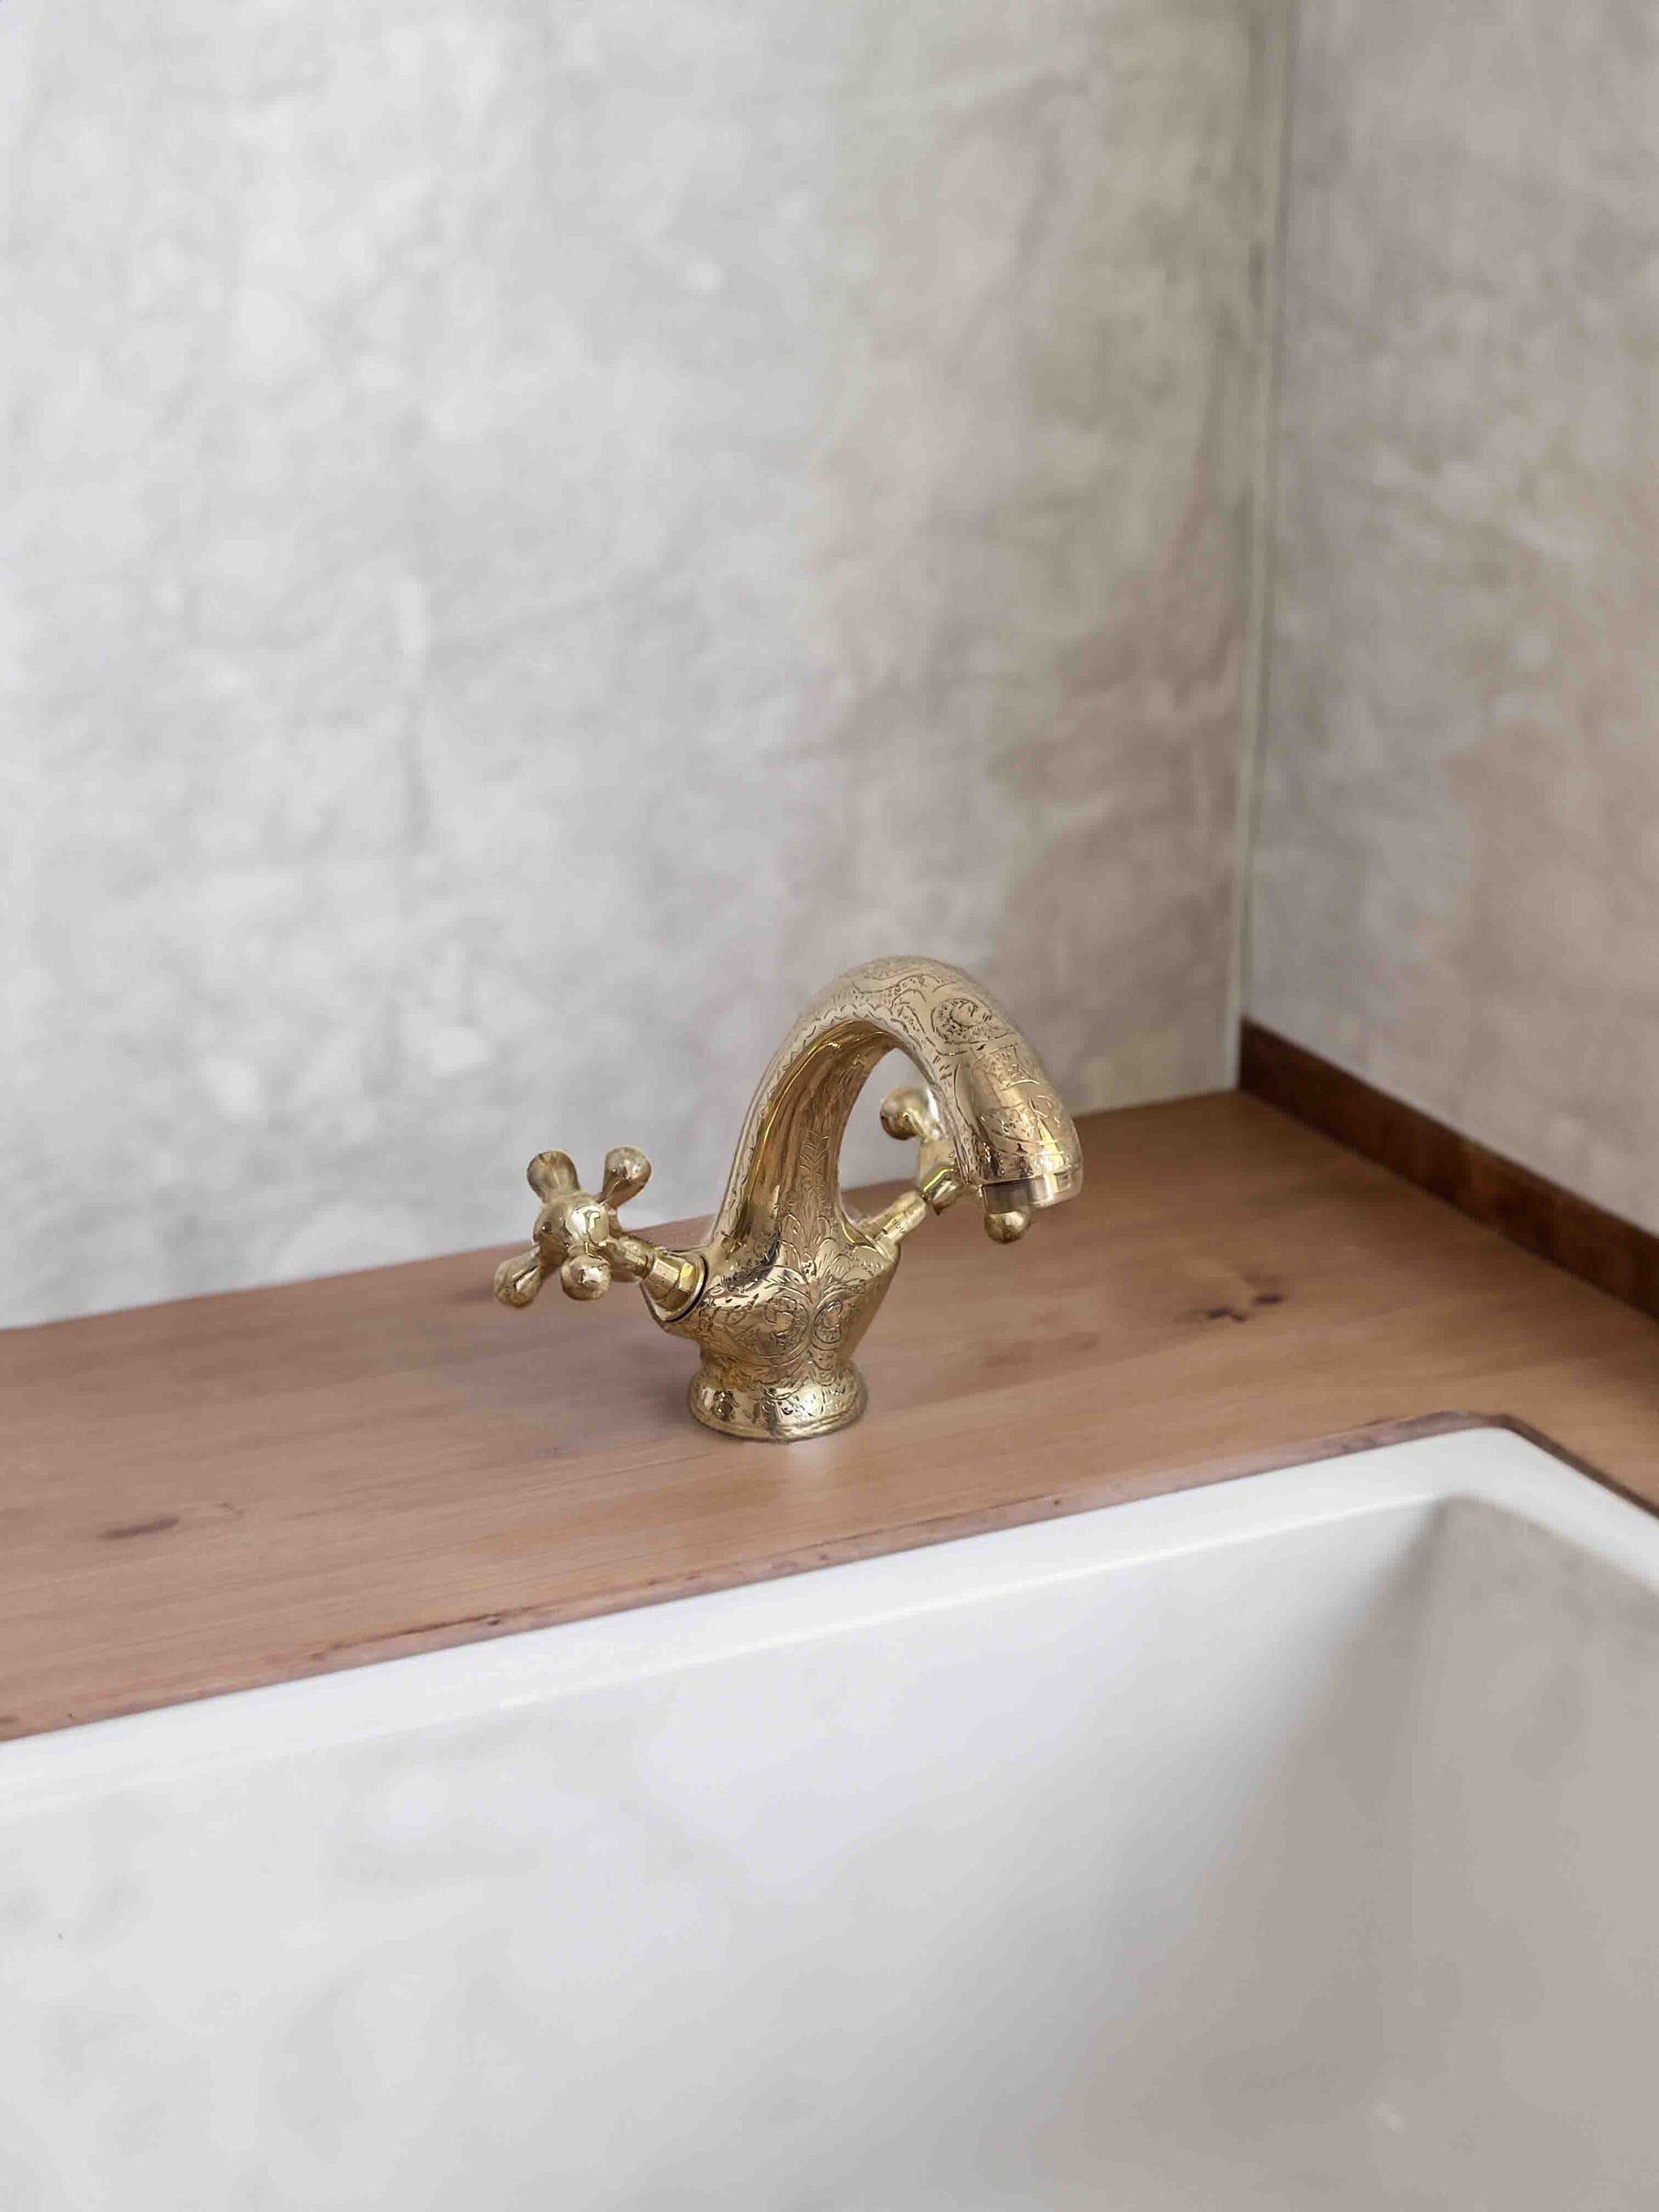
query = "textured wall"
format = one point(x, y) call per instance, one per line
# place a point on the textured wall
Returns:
point(1457, 880)
point(538, 534)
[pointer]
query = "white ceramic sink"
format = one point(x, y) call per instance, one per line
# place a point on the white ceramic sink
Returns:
point(1293, 1842)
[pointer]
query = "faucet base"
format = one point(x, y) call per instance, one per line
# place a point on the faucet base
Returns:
point(778, 1412)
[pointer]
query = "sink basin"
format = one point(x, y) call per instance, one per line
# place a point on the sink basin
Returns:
point(1288, 1842)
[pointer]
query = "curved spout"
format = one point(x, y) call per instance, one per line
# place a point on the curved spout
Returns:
point(1014, 1143)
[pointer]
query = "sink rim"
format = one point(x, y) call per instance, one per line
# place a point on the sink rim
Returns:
point(1491, 1462)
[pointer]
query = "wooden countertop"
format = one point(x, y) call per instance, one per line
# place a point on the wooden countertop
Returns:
point(233, 1490)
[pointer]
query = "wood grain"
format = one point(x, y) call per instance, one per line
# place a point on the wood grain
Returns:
point(229, 1491)
point(1538, 1215)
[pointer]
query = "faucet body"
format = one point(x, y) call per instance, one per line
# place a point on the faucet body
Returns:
point(786, 1281)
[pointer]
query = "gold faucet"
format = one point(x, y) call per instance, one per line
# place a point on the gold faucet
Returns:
point(786, 1281)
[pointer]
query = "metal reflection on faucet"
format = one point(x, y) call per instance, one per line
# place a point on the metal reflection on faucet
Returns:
point(782, 1289)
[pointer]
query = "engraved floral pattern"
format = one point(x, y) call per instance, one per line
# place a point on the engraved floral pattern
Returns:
point(960, 1020)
